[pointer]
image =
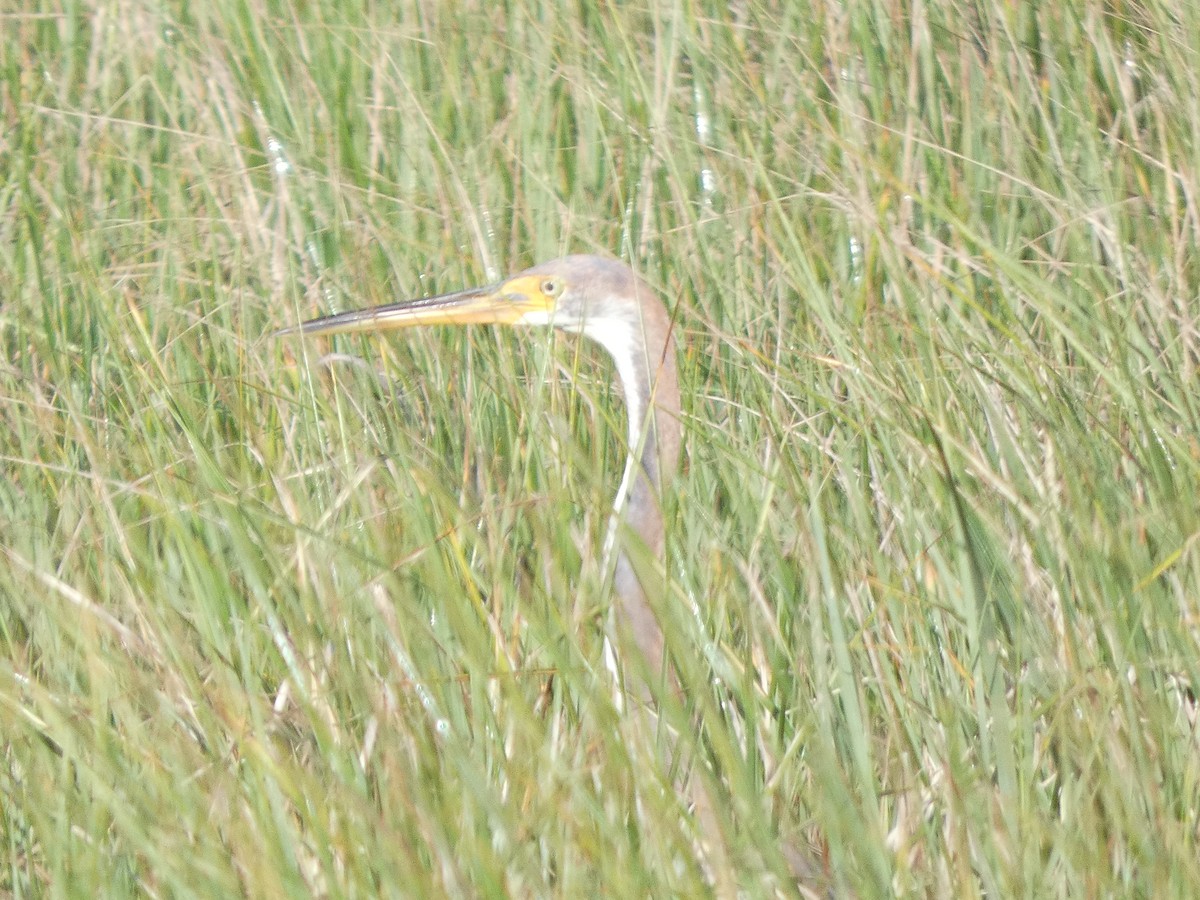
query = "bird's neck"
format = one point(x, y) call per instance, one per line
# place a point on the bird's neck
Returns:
point(644, 353)
point(653, 449)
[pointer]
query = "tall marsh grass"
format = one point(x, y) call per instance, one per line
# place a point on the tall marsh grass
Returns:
point(295, 619)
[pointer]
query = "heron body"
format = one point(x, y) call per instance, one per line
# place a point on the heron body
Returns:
point(605, 301)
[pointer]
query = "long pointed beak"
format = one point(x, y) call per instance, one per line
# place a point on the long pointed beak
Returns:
point(474, 306)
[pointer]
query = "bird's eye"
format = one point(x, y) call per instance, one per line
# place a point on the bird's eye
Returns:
point(551, 287)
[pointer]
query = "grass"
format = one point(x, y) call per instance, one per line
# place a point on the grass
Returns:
point(276, 625)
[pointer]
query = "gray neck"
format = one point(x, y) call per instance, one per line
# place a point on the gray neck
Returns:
point(644, 352)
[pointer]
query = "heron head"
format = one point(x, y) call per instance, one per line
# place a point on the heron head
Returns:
point(574, 293)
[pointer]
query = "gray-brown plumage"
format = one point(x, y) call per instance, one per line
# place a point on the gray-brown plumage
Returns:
point(604, 300)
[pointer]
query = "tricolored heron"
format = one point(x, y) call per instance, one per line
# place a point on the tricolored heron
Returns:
point(604, 300)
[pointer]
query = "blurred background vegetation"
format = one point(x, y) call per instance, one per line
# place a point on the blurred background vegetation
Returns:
point(294, 619)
